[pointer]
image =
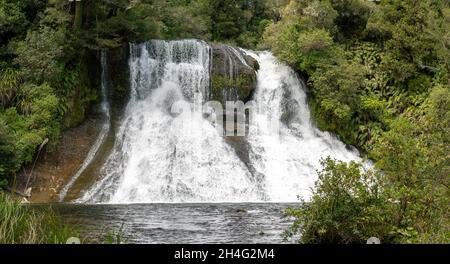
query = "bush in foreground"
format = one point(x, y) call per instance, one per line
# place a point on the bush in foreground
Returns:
point(345, 207)
point(350, 204)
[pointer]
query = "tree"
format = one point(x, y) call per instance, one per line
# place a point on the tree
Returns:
point(40, 52)
point(78, 21)
point(12, 19)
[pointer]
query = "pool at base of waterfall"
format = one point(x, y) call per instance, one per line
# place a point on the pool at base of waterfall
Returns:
point(180, 222)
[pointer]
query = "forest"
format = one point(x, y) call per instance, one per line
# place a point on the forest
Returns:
point(378, 76)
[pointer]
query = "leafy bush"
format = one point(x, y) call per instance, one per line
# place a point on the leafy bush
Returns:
point(346, 207)
point(9, 82)
point(39, 54)
point(350, 205)
point(25, 127)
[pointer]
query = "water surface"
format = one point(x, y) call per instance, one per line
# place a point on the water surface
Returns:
point(181, 223)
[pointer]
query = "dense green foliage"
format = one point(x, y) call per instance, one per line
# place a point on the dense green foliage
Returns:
point(379, 78)
point(41, 79)
point(378, 73)
point(20, 224)
point(47, 48)
point(346, 207)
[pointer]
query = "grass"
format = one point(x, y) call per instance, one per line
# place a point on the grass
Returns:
point(21, 224)
point(115, 237)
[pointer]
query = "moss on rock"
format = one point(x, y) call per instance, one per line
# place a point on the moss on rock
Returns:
point(233, 74)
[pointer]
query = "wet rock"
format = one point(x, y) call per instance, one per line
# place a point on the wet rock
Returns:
point(119, 81)
point(239, 210)
point(233, 74)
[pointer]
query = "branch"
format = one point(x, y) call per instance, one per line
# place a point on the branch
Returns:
point(428, 68)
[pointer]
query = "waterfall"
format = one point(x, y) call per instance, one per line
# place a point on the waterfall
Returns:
point(161, 157)
point(106, 116)
point(285, 146)
point(165, 156)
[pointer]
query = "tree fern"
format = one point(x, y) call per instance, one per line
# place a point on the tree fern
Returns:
point(9, 82)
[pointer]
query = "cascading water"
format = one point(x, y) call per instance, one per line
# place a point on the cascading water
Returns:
point(285, 147)
point(106, 116)
point(160, 156)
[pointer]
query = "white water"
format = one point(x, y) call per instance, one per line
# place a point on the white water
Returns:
point(288, 155)
point(105, 110)
point(161, 157)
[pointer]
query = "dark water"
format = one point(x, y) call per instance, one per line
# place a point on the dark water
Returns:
point(181, 223)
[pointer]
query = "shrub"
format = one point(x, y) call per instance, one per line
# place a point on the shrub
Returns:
point(346, 207)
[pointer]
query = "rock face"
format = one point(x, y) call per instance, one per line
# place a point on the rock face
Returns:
point(119, 77)
point(233, 74)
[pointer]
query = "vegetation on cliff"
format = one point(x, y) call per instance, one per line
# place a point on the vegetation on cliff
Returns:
point(378, 73)
point(233, 74)
point(379, 78)
point(45, 85)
